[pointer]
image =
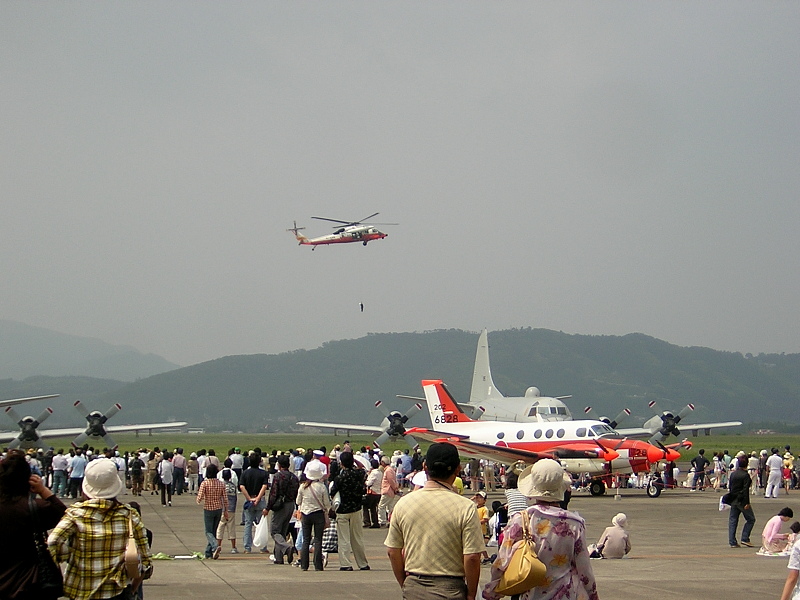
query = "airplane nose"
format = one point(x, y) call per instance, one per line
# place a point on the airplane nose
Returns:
point(610, 455)
point(673, 455)
point(655, 454)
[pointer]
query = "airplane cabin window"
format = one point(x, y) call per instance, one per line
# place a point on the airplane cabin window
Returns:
point(581, 432)
point(537, 434)
point(560, 433)
point(501, 435)
point(520, 434)
point(548, 434)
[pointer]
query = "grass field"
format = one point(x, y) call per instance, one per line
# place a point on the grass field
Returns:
point(221, 442)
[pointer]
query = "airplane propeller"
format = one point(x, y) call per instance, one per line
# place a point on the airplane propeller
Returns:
point(27, 427)
point(624, 413)
point(669, 422)
point(395, 423)
point(96, 424)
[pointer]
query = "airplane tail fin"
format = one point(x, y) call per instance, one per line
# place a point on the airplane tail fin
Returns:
point(442, 408)
point(483, 387)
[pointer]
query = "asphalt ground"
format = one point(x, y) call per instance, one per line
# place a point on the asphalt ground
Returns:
point(680, 550)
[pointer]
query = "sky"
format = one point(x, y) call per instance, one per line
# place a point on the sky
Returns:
point(588, 167)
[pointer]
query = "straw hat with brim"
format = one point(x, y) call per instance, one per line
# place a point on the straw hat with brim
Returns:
point(543, 480)
point(314, 470)
point(100, 479)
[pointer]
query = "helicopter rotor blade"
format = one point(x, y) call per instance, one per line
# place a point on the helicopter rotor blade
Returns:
point(332, 220)
point(366, 218)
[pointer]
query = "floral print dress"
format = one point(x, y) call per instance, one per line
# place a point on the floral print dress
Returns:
point(559, 536)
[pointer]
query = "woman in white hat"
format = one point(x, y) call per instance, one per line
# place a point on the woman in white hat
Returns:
point(615, 542)
point(559, 537)
point(314, 502)
point(92, 537)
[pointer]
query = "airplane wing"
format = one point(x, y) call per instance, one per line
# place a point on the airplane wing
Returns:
point(471, 449)
point(644, 432)
point(7, 436)
point(349, 427)
point(507, 455)
point(16, 401)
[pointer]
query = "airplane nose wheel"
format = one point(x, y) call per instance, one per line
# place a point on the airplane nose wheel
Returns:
point(597, 488)
point(654, 487)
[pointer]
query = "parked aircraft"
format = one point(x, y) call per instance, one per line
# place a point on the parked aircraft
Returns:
point(392, 427)
point(15, 401)
point(487, 403)
point(584, 446)
point(29, 435)
point(665, 423)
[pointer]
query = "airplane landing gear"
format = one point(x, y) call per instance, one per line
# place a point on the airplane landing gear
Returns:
point(597, 487)
point(654, 487)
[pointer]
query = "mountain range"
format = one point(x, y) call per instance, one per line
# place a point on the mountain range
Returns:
point(341, 380)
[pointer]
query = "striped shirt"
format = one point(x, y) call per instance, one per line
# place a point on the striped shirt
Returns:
point(91, 539)
point(212, 494)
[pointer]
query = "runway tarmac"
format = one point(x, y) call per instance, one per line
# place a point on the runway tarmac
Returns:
point(680, 550)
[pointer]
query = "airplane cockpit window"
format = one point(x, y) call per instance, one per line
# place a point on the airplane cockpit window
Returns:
point(581, 432)
point(520, 434)
point(501, 435)
point(561, 410)
point(602, 429)
point(532, 411)
point(537, 434)
point(560, 433)
point(548, 434)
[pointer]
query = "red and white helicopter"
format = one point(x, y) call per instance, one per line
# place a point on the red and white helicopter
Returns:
point(585, 446)
point(346, 232)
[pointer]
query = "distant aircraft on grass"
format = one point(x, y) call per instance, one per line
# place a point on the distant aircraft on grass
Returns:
point(29, 435)
point(393, 426)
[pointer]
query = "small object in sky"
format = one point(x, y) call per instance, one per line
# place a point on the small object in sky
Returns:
point(361, 304)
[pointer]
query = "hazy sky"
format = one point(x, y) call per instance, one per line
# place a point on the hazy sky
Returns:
point(591, 167)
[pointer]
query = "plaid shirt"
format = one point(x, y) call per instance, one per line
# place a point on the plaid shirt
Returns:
point(91, 538)
point(212, 494)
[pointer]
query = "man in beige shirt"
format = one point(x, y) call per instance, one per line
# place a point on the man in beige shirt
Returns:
point(435, 540)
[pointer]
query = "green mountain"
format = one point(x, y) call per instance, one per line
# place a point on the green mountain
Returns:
point(26, 351)
point(341, 380)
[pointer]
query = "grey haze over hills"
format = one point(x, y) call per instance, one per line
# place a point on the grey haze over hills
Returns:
point(341, 380)
point(26, 351)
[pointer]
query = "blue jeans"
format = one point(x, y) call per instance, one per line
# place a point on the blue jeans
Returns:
point(733, 523)
point(60, 483)
point(211, 519)
point(252, 516)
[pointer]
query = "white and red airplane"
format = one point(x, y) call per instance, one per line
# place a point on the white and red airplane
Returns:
point(584, 446)
point(347, 232)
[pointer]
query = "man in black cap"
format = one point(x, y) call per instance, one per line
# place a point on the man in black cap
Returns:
point(435, 540)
